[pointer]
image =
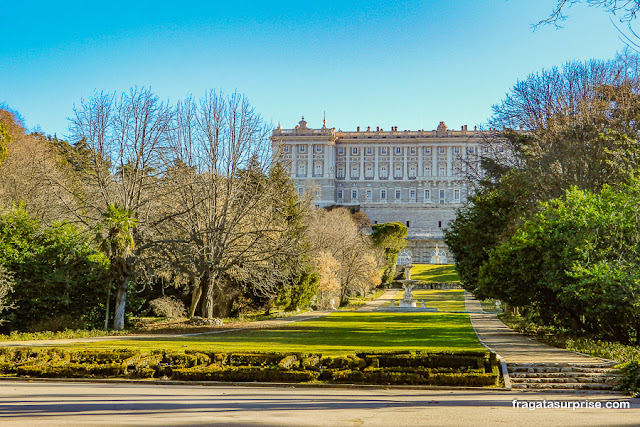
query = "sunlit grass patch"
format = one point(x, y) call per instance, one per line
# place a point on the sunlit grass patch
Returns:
point(440, 273)
point(337, 333)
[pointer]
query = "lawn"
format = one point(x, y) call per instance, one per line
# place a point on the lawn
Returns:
point(336, 333)
point(443, 300)
point(434, 273)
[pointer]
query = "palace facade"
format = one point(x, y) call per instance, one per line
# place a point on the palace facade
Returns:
point(413, 177)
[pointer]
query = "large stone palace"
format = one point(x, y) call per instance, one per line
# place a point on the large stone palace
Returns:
point(413, 177)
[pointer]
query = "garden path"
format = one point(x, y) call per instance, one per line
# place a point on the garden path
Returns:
point(514, 347)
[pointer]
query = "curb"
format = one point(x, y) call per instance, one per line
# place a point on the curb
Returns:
point(248, 384)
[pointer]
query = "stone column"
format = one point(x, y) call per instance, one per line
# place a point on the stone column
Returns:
point(405, 162)
point(434, 160)
point(325, 164)
point(361, 151)
point(347, 172)
point(375, 166)
point(449, 161)
point(309, 160)
point(420, 170)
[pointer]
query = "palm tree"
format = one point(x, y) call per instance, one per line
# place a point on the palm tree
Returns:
point(115, 237)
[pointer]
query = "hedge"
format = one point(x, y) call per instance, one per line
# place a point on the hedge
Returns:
point(477, 369)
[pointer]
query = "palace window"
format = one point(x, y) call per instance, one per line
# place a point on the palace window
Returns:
point(427, 171)
point(302, 169)
point(441, 196)
point(354, 195)
point(412, 195)
point(340, 172)
point(398, 194)
point(369, 195)
point(470, 150)
point(412, 150)
point(355, 173)
point(412, 171)
point(368, 172)
point(442, 171)
point(384, 172)
point(341, 151)
point(317, 169)
point(398, 150)
point(354, 151)
point(285, 148)
point(397, 172)
point(442, 150)
point(339, 195)
point(383, 194)
point(302, 148)
point(369, 151)
point(427, 195)
point(456, 150)
point(427, 150)
point(318, 148)
point(383, 151)
point(456, 195)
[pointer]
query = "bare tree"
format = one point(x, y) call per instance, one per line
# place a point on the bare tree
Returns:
point(229, 209)
point(572, 125)
point(335, 235)
point(624, 10)
point(119, 141)
point(31, 159)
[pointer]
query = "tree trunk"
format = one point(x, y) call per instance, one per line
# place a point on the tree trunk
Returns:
point(195, 299)
point(125, 267)
point(106, 316)
point(121, 303)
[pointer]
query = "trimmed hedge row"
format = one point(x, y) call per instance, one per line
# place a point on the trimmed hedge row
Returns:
point(452, 369)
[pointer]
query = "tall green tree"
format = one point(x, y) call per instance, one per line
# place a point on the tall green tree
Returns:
point(575, 264)
point(392, 238)
point(59, 279)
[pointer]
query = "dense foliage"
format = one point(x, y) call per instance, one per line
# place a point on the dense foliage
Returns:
point(59, 278)
point(552, 227)
point(392, 238)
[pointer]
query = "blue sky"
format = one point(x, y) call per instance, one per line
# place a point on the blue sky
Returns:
point(372, 63)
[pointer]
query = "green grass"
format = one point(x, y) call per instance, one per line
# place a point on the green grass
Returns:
point(443, 300)
point(337, 333)
point(435, 273)
point(66, 334)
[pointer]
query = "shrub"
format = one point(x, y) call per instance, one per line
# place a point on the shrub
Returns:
point(630, 382)
point(167, 306)
point(264, 367)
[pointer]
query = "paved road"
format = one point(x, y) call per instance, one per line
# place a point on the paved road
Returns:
point(516, 348)
point(79, 404)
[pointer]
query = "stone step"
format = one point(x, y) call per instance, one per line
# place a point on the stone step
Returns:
point(586, 375)
point(586, 380)
point(563, 386)
point(556, 369)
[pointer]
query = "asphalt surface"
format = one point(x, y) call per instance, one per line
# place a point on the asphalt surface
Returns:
point(89, 404)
